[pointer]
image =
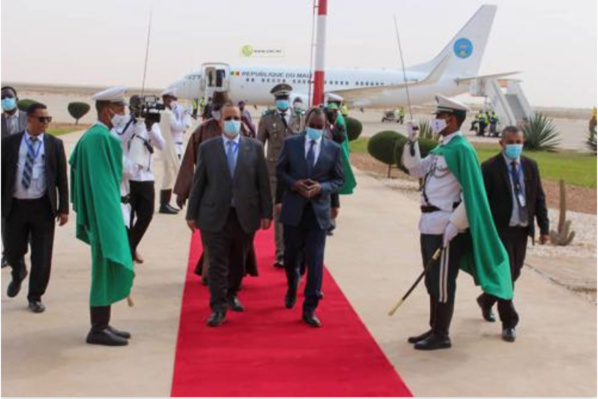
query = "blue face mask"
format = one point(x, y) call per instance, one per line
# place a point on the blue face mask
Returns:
point(232, 128)
point(513, 151)
point(314, 134)
point(282, 105)
point(9, 103)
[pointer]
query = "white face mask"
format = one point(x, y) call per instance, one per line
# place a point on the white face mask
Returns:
point(119, 121)
point(438, 125)
point(216, 115)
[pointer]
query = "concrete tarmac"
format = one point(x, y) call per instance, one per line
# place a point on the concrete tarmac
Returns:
point(373, 255)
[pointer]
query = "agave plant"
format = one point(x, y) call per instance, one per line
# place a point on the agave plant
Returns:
point(540, 134)
point(591, 141)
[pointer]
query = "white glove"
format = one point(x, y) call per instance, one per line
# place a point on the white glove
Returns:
point(411, 131)
point(450, 232)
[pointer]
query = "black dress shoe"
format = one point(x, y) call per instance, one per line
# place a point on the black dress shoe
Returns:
point(509, 335)
point(105, 337)
point(15, 286)
point(311, 319)
point(290, 299)
point(433, 342)
point(37, 307)
point(487, 312)
point(122, 334)
point(235, 305)
point(216, 318)
point(167, 210)
point(421, 337)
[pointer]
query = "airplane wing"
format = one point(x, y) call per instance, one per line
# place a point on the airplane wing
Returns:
point(493, 76)
point(432, 78)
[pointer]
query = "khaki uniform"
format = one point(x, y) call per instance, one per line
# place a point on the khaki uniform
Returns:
point(272, 130)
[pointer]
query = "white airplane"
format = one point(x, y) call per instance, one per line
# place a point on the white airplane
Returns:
point(451, 73)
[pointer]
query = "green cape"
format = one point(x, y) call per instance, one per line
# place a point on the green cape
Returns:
point(96, 173)
point(350, 182)
point(488, 261)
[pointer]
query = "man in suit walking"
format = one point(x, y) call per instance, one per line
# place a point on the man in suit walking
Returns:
point(310, 170)
point(230, 199)
point(34, 193)
point(274, 127)
point(13, 121)
point(516, 197)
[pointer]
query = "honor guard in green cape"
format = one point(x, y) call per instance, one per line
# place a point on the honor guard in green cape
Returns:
point(455, 218)
point(96, 173)
point(276, 125)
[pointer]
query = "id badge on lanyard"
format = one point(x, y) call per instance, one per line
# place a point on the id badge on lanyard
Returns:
point(517, 185)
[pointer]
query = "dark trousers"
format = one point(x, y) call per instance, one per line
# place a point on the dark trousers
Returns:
point(142, 198)
point(228, 251)
point(441, 279)
point(514, 240)
point(31, 222)
point(305, 244)
point(4, 244)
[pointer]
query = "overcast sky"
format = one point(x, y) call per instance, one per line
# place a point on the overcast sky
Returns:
point(553, 42)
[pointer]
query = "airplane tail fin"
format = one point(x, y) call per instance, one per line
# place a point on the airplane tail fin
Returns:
point(465, 50)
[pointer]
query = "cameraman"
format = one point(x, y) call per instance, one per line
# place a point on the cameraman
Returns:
point(146, 137)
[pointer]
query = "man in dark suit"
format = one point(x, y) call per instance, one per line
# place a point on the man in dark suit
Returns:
point(230, 200)
point(516, 197)
point(310, 170)
point(13, 121)
point(34, 193)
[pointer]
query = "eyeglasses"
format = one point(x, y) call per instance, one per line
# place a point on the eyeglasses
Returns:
point(232, 118)
point(7, 96)
point(44, 119)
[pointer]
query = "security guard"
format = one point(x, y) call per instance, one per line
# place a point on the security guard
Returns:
point(276, 125)
point(456, 220)
point(298, 108)
point(482, 119)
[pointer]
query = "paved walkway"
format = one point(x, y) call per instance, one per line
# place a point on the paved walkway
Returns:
point(374, 257)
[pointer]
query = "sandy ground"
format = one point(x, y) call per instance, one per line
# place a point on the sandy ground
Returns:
point(374, 257)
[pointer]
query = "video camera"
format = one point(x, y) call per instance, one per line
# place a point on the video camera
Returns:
point(146, 107)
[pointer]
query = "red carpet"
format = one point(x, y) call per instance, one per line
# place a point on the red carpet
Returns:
point(268, 350)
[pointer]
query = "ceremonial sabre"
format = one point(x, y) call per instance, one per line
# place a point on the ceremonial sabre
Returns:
point(434, 258)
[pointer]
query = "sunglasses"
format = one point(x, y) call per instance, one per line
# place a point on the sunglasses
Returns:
point(7, 96)
point(232, 118)
point(44, 119)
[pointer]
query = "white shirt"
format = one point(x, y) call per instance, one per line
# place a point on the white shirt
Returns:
point(128, 167)
point(177, 124)
point(441, 186)
point(156, 140)
point(37, 187)
point(317, 147)
point(515, 219)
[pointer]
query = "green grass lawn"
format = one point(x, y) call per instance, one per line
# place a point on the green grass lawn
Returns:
point(61, 129)
point(578, 169)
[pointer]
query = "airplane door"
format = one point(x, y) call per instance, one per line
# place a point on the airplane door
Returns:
point(216, 77)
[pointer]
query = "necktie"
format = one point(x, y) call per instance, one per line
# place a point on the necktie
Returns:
point(284, 119)
point(29, 159)
point(230, 156)
point(311, 156)
point(518, 192)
